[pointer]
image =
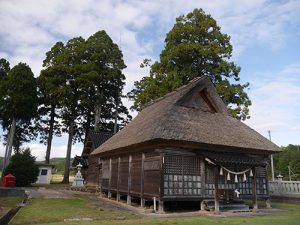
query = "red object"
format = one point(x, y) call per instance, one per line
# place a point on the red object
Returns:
point(9, 181)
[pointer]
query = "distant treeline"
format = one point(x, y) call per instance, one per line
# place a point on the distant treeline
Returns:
point(59, 164)
point(289, 157)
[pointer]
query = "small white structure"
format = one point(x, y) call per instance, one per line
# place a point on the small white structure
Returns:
point(45, 174)
point(78, 180)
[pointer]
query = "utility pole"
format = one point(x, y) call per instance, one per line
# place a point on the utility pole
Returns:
point(290, 173)
point(272, 163)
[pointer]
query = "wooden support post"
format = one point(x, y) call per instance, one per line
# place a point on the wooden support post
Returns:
point(118, 181)
point(154, 204)
point(268, 204)
point(100, 176)
point(202, 174)
point(161, 206)
point(142, 181)
point(254, 191)
point(217, 204)
point(202, 205)
point(109, 185)
point(129, 180)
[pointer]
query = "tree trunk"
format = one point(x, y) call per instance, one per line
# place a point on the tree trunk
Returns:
point(68, 156)
point(50, 136)
point(9, 144)
point(88, 126)
point(98, 109)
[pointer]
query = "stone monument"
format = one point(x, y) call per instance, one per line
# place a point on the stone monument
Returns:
point(78, 180)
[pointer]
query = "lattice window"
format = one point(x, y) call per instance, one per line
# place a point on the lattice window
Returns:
point(245, 187)
point(173, 164)
point(181, 175)
point(261, 181)
point(209, 189)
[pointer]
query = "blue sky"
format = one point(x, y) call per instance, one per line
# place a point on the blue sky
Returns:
point(265, 36)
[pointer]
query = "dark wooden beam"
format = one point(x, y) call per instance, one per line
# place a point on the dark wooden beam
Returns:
point(254, 191)
point(202, 174)
point(142, 181)
point(109, 184)
point(217, 204)
point(129, 180)
point(118, 181)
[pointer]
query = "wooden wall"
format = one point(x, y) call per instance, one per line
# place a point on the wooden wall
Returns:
point(92, 172)
point(172, 176)
point(134, 175)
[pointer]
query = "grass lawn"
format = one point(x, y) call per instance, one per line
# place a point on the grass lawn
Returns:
point(6, 203)
point(54, 211)
point(41, 211)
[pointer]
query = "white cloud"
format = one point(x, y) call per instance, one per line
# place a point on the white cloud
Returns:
point(29, 28)
point(276, 105)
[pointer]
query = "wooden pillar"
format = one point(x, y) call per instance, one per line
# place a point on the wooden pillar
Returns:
point(217, 204)
point(100, 176)
point(129, 180)
point(268, 204)
point(118, 181)
point(254, 191)
point(109, 184)
point(142, 181)
point(161, 189)
point(202, 205)
point(202, 174)
point(161, 206)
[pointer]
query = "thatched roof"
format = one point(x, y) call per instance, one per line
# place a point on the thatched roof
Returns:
point(94, 140)
point(194, 113)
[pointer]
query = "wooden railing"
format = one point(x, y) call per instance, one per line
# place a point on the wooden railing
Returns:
point(284, 188)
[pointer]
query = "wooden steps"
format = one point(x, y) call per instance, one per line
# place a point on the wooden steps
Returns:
point(231, 206)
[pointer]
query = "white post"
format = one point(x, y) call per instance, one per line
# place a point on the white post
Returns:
point(154, 204)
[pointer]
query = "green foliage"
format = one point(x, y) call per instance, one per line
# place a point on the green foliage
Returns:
point(194, 47)
point(4, 69)
point(22, 166)
point(20, 93)
point(19, 102)
point(82, 80)
point(290, 156)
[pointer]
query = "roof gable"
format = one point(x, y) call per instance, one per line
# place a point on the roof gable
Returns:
point(203, 96)
point(94, 140)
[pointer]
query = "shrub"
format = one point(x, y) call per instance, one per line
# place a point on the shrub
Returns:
point(22, 166)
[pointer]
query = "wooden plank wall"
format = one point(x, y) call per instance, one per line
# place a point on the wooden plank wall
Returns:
point(139, 177)
point(124, 168)
point(114, 175)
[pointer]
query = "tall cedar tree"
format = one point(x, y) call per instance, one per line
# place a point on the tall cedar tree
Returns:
point(88, 83)
point(102, 83)
point(19, 104)
point(49, 93)
point(4, 69)
point(194, 47)
point(72, 63)
point(93, 87)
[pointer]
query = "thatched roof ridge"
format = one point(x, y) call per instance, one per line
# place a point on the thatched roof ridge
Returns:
point(170, 119)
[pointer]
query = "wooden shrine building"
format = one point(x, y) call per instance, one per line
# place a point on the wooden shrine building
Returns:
point(186, 147)
point(90, 171)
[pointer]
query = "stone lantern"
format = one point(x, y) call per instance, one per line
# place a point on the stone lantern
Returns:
point(78, 180)
point(279, 177)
